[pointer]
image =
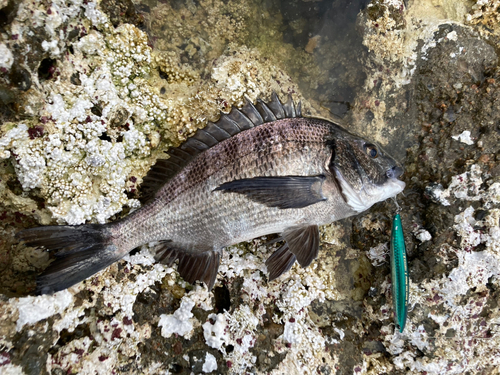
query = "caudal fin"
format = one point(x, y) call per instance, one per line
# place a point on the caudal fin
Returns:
point(80, 252)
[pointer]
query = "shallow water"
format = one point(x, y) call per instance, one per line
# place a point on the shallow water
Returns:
point(323, 50)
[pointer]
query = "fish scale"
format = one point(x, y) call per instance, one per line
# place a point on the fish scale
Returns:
point(280, 157)
point(260, 170)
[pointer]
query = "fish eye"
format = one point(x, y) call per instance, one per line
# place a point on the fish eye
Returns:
point(371, 150)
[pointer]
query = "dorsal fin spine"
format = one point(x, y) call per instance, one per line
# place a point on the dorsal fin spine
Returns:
point(228, 124)
point(208, 138)
point(251, 112)
point(276, 106)
point(216, 132)
point(266, 112)
point(289, 107)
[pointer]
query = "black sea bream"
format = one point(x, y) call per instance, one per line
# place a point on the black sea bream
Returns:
point(259, 170)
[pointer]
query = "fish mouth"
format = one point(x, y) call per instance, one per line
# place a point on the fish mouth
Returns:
point(393, 180)
point(370, 194)
point(395, 186)
point(397, 182)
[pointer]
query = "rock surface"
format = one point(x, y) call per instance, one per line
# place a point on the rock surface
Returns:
point(92, 93)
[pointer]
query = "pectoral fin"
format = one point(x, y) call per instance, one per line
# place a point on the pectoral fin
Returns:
point(282, 192)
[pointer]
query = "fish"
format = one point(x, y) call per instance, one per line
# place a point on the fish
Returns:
point(259, 170)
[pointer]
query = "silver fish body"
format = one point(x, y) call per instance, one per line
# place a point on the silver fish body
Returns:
point(259, 170)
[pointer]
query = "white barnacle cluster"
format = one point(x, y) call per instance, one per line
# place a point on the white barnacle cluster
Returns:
point(33, 309)
point(292, 294)
point(467, 186)
point(6, 57)
point(484, 11)
point(130, 61)
point(172, 69)
point(129, 52)
point(79, 157)
point(301, 337)
point(236, 329)
point(386, 30)
point(182, 321)
point(12, 138)
point(118, 331)
point(179, 322)
point(239, 75)
point(94, 14)
point(29, 160)
point(57, 14)
point(85, 175)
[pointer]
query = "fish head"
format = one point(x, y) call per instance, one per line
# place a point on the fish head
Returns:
point(364, 172)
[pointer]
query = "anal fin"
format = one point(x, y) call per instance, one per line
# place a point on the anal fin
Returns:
point(192, 267)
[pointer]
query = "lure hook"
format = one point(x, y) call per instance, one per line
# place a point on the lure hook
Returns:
point(398, 208)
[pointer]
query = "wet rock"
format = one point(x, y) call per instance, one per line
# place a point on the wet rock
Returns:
point(122, 11)
point(20, 78)
point(31, 352)
point(474, 68)
point(6, 95)
point(46, 69)
point(8, 12)
point(333, 317)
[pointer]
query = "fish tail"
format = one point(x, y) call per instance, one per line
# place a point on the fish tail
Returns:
point(80, 252)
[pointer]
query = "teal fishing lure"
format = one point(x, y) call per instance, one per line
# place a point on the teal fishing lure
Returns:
point(399, 271)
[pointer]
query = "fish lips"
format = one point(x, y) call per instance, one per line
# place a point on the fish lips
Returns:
point(361, 200)
point(396, 185)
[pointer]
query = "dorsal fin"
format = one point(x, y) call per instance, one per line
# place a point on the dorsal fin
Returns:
point(266, 112)
point(252, 113)
point(228, 125)
point(276, 106)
